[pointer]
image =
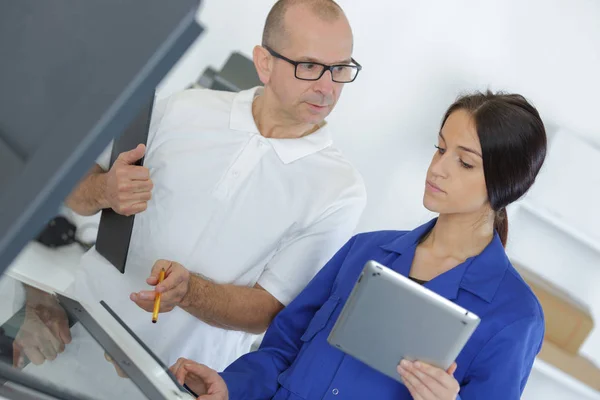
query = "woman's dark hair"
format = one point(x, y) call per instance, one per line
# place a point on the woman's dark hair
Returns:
point(513, 144)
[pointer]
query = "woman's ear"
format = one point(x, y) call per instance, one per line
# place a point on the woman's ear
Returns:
point(263, 61)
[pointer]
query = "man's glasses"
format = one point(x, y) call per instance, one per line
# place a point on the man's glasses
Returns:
point(313, 71)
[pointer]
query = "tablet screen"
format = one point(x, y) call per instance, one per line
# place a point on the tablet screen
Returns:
point(34, 325)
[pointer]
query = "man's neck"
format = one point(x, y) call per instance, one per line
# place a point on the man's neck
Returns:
point(460, 236)
point(273, 124)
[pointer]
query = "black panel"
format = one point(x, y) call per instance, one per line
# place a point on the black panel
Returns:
point(73, 75)
point(11, 163)
point(114, 231)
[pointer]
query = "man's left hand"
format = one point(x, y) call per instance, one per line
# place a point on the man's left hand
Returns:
point(426, 382)
point(172, 289)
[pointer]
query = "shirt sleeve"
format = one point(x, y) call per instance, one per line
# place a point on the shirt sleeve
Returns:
point(300, 256)
point(500, 371)
point(254, 376)
point(103, 159)
point(158, 111)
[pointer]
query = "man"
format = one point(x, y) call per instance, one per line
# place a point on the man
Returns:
point(243, 196)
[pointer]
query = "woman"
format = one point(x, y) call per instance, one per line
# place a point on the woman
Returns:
point(489, 152)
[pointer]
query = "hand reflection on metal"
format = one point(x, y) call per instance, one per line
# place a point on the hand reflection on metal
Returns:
point(45, 331)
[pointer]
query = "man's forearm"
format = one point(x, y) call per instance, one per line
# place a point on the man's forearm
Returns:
point(230, 307)
point(89, 196)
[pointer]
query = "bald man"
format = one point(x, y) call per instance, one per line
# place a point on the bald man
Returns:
point(242, 198)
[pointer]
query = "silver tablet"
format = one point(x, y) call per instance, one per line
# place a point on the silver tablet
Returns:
point(388, 318)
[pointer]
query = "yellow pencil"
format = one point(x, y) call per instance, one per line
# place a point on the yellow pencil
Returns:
point(157, 298)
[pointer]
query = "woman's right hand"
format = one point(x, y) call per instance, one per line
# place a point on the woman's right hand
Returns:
point(205, 382)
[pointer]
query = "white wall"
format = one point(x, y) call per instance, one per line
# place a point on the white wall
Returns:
point(417, 56)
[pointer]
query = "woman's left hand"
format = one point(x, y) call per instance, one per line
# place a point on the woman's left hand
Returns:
point(426, 382)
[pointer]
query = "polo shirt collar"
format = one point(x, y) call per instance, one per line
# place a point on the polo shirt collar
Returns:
point(480, 275)
point(288, 150)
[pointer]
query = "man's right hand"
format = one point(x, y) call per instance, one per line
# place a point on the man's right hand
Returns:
point(205, 382)
point(128, 186)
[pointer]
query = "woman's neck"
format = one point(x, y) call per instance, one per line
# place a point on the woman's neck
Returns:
point(460, 236)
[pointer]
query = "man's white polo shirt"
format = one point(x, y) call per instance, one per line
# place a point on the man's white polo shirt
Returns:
point(230, 205)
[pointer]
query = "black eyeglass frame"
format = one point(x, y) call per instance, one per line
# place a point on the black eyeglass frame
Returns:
point(326, 67)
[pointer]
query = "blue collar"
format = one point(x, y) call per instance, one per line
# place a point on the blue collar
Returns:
point(480, 275)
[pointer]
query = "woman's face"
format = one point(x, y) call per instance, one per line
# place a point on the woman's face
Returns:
point(455, 180)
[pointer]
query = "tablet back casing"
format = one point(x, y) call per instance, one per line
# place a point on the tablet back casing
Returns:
point(388, 318)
